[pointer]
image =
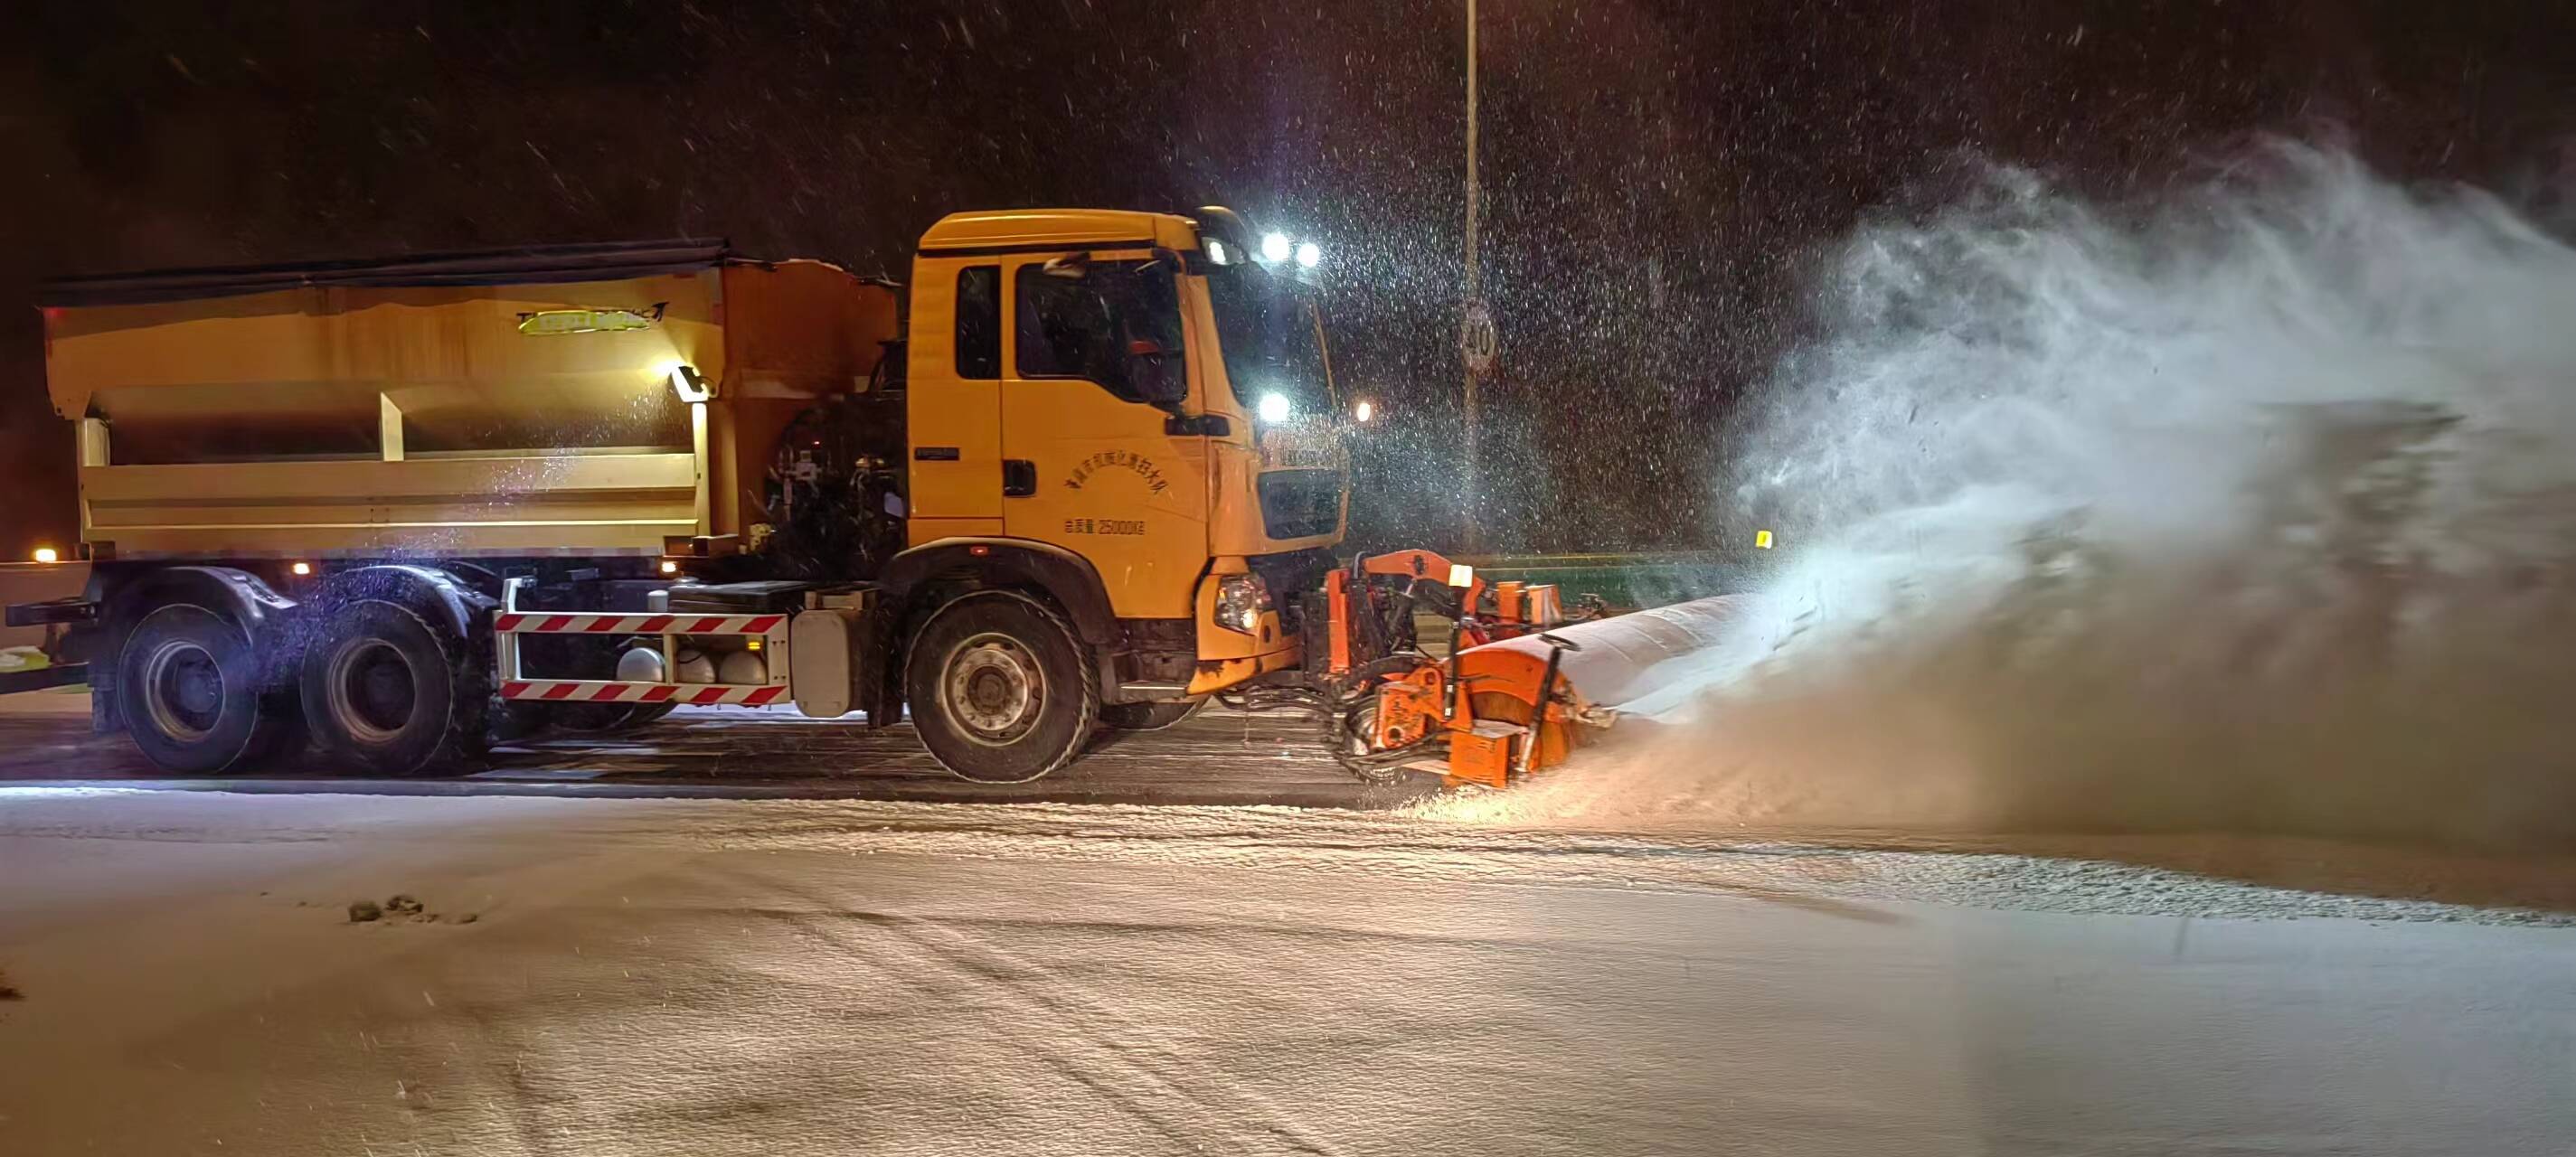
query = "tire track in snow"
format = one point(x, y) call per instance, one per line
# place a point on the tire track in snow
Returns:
point(1215, 1112)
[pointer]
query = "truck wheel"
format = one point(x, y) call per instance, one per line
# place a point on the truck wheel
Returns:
point(1148, 716)
point(384, 690)
point(188, 682)
point(1000, 688)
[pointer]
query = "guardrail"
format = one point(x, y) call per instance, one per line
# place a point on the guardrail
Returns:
point(1631, 581)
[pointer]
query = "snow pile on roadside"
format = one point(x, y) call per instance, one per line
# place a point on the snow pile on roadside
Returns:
point(1413, 848)
point(2199, 876)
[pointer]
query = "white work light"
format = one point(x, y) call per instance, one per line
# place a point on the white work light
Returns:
point(1274, 408)
point(1363, 412)
point(1308, 253)
point(690, 385)
point(47, 554)
point(1275, 247)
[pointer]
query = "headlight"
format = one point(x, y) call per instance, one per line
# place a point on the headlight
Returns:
point(1273, 409)
point(1240, 599)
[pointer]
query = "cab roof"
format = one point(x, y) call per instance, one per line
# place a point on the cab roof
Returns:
point(1002, 230)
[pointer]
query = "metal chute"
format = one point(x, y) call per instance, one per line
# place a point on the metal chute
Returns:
point(1622, 658)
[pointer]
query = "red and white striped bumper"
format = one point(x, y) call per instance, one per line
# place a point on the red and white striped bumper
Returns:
point(589, 691)
point(510, 624)
point(541, 623)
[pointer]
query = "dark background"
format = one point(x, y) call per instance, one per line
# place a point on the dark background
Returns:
point(1659, 176)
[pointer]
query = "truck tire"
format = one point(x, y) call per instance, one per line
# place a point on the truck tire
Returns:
point(387, 691)
point(1000, 687)
point(188, 685)
point(1148, 716)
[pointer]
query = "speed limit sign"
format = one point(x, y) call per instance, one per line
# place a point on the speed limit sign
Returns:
point(1477, 340)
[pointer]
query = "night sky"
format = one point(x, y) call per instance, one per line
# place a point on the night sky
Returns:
point(1660, 177)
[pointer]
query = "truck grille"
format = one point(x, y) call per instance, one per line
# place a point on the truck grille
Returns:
point(1301, 503)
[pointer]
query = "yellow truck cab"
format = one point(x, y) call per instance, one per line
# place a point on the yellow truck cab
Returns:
point(1118, 415)
point(1116, 401)
point(1084, 471)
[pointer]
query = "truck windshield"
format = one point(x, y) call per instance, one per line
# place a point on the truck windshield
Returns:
point(1267, 331)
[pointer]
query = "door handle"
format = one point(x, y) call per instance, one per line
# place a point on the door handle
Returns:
point(1019, 478)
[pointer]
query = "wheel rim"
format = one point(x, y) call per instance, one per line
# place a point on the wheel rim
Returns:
point(372, 690)
point(183, 690)
point(992, 687)
point(1360, 729)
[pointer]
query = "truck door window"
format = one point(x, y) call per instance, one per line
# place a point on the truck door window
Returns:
point(979, 322)
point(1093, 326)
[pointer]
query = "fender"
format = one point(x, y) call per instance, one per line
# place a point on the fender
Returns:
point(436, 595)
point(237, 595)
point(1068, 577)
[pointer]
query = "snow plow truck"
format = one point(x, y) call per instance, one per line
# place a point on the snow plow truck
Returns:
point(1085, 472)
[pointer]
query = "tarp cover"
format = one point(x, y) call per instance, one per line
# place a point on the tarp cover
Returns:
point(600, 261)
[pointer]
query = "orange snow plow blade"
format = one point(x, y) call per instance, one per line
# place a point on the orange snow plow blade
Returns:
point(1597, 667)
point(1521, 689)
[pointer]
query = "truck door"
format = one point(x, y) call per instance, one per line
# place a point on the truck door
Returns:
point(953, 405)
point(1087, 463)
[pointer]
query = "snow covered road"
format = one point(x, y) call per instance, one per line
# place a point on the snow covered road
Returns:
point(799, 977)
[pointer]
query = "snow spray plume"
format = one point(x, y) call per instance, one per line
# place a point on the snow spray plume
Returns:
point(2255, 512)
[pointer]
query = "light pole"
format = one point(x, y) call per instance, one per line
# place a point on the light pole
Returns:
point(1473, 537)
